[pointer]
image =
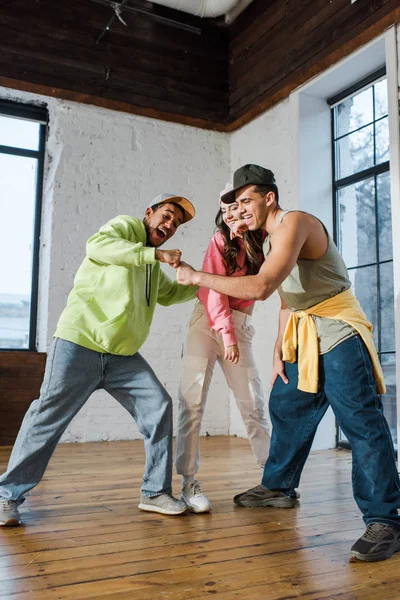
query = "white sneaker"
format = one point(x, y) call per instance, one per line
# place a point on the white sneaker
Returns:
point(165, 504)
point(9, 514)
point(195, 499)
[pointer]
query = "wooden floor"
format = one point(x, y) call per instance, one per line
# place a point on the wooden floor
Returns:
point(84, 536)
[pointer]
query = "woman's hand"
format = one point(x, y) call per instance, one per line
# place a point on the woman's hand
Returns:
point(278, 369)
point(238, 228)
point(232, 353)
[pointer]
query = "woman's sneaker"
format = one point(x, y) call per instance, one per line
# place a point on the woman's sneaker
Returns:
point(9, 514)
point(378, 542)
point(194, 498)
point(165, 504)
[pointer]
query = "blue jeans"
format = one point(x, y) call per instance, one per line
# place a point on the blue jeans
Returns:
point(72, 374)
point(346, 382)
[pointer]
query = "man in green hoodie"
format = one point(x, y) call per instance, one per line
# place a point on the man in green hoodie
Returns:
point(106, 321)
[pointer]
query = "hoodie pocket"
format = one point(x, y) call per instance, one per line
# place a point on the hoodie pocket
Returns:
point(114, 334)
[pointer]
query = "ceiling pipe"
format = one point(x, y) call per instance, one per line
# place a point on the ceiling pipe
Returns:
point(201, 8)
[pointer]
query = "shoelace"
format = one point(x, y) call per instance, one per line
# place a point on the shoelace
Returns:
point(195, 488)
point(374, 532)
point(8, 505)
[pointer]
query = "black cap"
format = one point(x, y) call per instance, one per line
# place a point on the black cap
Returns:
point(248, 175)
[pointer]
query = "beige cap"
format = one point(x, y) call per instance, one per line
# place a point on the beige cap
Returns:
point(184, 203)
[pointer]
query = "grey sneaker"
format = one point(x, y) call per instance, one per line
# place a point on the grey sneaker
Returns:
point(261, 496)
point(378, 542)
point(9, 514)
point(165, 504)
point(195, 499)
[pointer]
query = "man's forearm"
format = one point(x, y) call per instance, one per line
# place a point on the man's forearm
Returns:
point(249, 287)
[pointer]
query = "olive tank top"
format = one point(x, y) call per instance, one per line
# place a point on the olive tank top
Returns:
point(313, 281)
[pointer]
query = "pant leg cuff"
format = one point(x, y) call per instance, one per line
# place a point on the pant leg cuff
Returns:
point(395, 524)
point(150, 494)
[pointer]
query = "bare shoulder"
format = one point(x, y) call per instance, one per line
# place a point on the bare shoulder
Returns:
point(314, 232)
point(294, 224)
point(299, 217)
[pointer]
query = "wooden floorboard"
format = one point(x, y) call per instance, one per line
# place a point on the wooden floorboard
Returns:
point(84, 537)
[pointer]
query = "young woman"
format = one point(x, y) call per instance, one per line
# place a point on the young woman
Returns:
point(220, 330)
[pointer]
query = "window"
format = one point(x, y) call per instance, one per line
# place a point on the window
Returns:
point(362, 214)
point(22, 139)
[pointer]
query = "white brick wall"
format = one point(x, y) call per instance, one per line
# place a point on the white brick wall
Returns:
point(267, 141)
point(102, 163)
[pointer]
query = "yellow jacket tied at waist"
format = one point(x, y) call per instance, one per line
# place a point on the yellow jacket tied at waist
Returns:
point(301, 336)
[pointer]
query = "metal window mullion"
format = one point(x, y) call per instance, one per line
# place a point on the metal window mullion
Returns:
point(24, 152)
point(36, 241)
point(341, 137)
point(336, 233)
point(374, 123)
point(372, 264)
point(366, 174)
point(378, 268)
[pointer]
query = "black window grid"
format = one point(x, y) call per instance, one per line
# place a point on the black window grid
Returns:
point(374, 171)
point(38, 114)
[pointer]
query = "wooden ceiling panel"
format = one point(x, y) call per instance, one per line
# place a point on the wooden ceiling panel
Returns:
point(287, 43)
point(150, 64)
point(190, 70)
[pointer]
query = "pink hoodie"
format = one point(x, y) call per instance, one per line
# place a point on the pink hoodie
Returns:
point(218, 307)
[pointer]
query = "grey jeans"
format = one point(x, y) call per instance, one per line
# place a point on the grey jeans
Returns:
point(72, 374)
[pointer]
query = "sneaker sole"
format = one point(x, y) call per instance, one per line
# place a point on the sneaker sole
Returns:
point(197, 510)
point(11, 523)
point(272, 502)
point(162, 511)
point(374, 557)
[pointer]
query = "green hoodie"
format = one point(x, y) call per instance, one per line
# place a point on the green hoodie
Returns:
point(116, 288)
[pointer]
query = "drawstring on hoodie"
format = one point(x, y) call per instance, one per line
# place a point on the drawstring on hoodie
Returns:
point(148, 284)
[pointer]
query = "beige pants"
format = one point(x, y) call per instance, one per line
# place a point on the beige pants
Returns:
point(204, 347)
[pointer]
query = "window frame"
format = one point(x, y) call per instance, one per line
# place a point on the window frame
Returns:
point(338, 184)
point(38, 114)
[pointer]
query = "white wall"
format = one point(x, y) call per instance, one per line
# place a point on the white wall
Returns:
point(102, 163)
point(287, 139)
point(268, 141)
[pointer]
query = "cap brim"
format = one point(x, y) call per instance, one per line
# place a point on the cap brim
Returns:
point(185, 204)
point(229, 197)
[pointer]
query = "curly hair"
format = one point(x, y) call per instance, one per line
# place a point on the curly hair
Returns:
point(253, 241)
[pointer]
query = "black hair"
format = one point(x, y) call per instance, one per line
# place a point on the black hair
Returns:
point(263, 190)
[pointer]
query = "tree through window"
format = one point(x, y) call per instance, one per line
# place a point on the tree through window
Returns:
point(362, 211)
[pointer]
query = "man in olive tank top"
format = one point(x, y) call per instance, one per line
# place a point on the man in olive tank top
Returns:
point(324, 355)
